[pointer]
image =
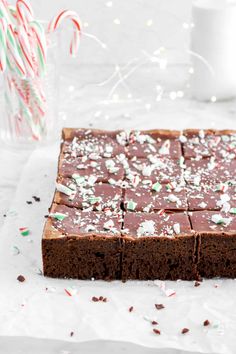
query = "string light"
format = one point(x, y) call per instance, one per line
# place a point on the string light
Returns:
point(116, 21)
point(109, 4)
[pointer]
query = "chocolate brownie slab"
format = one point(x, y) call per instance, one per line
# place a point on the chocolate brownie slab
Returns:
point(82, 245)
point(86, 142)
point(162, 143)
point(158, 247)
point(206, 143)
point(82, 194)
point(155, 196)
point(217, 241)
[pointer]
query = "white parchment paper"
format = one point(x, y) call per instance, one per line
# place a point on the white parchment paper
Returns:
point(40, 308)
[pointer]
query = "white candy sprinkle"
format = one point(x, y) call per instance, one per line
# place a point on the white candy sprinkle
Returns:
point(146, 228)
point(202, 205)
point(173, 199)
point(63, 189)
point(218, 219)
point(182, 139)
point(201, 134)
point(176, 228)
point(147, 171)
point(108, 225)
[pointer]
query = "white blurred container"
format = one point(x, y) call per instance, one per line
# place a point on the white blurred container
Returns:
point(213, 41)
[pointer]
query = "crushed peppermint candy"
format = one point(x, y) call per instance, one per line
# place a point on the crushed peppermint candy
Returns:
point(176, 228)
point(146, 228)
point(156, 187)
point(232, 210)
point(24, 231)
point(173, 198)
point(218, 219)
point(165, 148)
point(131, 205)
point(108, 225)
point(58, 216)
point(63, 189)
point(182, 139)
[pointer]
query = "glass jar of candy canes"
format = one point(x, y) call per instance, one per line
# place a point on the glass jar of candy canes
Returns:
point(31, 102)
point(29, 60)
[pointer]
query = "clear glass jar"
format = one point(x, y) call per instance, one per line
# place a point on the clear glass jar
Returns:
point(31, 105)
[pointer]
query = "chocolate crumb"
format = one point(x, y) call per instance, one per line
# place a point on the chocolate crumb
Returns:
point(28, 202)
point(159, 306)
point(71, 334)
point(185, 330)
point(154, 323)
point(206, 323)
point(4, 215)
point(37, 199)
point(95, 299)
point(131, 308)
point(46, 216)
point(21, 278)
point(100, 298)
point(156, 331)
point(104, 299)
point(197, 283)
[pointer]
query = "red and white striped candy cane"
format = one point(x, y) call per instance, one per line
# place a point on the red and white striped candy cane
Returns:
point(3, 44)
point(71, 15)
point(24, 12)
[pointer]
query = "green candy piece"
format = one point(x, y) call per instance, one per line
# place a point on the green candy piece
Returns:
point(232, 211)
point(131, 205)
point(78, 179)
point(94, 200)
point(156, 187)
point(58, 216)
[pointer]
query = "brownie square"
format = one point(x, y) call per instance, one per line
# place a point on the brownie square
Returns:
point(155, 196)
point(211, 196)
point(206, 143)
point(217, 243)
point(163, 170)
point(82, 245)
point(158, 143)
point(82, 194)
point(87, 142)
point(158, 247)
point(209, 170)
point(102, 169)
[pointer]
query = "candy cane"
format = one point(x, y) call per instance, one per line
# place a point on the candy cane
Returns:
point(41, 43)
point(13, 49)
point(24, 12)
point(56, 22)
point(3, 44)
point(26, 51)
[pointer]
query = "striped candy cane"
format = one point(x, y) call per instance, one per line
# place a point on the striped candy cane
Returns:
point(41, 44)
point(3, 44)
point(56, 22)
point(24, 12)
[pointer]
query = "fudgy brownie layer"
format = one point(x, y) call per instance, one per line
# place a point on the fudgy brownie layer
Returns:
point(158, 246)
point(82, 245)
